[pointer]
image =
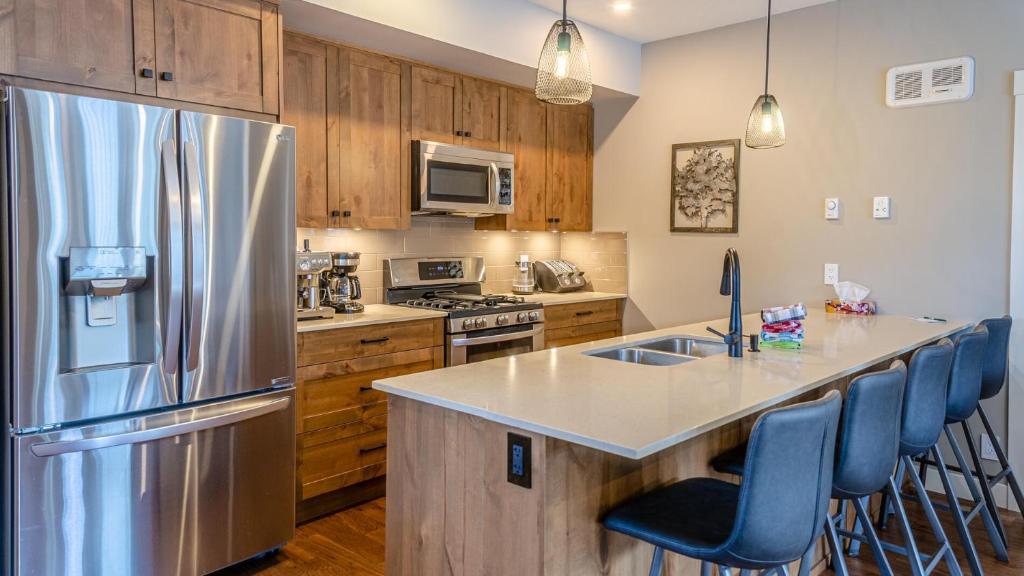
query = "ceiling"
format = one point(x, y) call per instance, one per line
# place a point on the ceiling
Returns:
point(650, 20)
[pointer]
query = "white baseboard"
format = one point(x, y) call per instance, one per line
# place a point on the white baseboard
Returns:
point(1000, 491)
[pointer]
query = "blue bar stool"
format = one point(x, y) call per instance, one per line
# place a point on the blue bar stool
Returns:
point(993, 377)
point(962, 399)
point(924, 414)
point(764, 524)
point(866, 454)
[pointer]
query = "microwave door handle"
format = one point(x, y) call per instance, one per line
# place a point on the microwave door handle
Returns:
point(494, 182)
point(196, 270)
point(459, 342)
point(174, 256)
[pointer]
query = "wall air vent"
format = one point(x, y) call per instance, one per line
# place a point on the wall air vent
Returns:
point(930, 83)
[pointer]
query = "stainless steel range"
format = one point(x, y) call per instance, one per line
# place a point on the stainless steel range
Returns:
point(479, 327)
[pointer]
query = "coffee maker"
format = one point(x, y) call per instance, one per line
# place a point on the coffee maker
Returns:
point(342, 284)
point(309, 266)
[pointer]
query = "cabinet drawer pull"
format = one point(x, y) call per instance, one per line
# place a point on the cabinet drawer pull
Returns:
point(167, 76)
point(335, 213)
point(365, 388)
point(468, 134)
point(585, 313)
point(373, 448)
point(146, 72)
point(460, 133)
point(380, 340)
point(558, 220)
point(347, 214)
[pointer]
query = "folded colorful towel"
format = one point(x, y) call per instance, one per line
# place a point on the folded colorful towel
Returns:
point(785, 326)
point(782, 337)
point(782, 313)
point(782, 345)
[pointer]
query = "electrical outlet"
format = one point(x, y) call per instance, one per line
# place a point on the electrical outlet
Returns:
point(831, 274)
point(988, 451)
point(882, 207)
point(520, 461)
point(831, 208)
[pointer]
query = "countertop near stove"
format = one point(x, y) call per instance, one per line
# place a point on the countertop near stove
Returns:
point(634, 410)
point(554, 299)
point(373, 314)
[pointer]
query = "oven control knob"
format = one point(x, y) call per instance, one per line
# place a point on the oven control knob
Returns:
point(467, 324)
point(481, 323)
point(501, 320)
point(534, 316)
point(522, 317)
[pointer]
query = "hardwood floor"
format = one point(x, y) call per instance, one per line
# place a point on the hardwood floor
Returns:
point(351, 542)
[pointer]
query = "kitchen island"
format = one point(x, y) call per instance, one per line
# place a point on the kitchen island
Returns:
point(600, 431)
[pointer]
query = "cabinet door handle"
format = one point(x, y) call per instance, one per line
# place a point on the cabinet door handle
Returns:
point(146, 72)
point(373, 448)
point(468, 134)
point(365, 388)
point(346, 214)
point(335, 213)
point(460, 133)
point(558, 220)
point(167, 76)
point(585, 313)
point(380, 340)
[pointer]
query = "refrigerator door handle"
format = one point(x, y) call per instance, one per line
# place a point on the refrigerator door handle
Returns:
point(196, 278)
point(47, 449)
point(175, 257)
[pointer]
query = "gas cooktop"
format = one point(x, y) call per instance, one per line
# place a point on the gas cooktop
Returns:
point(460, 305)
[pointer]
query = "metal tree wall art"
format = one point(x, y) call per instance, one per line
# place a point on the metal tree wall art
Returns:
point(705, 186)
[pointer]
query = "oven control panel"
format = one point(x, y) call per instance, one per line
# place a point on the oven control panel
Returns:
point(486, 320)
point(441, 270)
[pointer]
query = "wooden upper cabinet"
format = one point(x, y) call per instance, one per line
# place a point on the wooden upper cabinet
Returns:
point(483, 116)
point(82, 42)
point(372, 140)
point(434, 102)
point(527, 139)
point(304, 106)
point(218, 52)
point(570, 167)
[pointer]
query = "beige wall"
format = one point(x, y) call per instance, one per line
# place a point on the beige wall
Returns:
point(945, 252)
point(602, 256)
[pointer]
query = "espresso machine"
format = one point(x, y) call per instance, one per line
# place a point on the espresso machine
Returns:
point(309, 267)
point(342, 284)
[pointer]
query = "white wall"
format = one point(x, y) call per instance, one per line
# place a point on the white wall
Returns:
point(945, 252)
point(510, 30)
point(1015, 432)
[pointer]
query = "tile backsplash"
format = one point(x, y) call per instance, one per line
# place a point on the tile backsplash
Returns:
point(602, 255)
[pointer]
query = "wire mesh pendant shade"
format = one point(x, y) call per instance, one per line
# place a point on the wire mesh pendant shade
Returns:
point(563, 70)
point(765, 128)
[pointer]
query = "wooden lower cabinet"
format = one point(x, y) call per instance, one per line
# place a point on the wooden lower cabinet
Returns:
point(567, 324)
point(341, 442)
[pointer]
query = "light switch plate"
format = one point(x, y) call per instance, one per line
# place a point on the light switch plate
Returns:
point(831, 274)
point(882, 206)
point(831, 208)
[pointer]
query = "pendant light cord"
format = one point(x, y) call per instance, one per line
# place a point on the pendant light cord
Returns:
point(767, 46)
point(564, 17)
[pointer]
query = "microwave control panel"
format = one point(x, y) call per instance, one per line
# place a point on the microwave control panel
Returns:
point(504, 186)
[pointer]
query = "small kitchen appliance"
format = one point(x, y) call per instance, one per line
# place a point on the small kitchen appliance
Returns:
point(559, 276)
point(523, 281)
point(479, 327)
point(343, 288)
point(310, 291)
point(461, 181)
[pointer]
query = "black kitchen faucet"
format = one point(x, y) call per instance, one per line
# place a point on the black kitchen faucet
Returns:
point(731, 285)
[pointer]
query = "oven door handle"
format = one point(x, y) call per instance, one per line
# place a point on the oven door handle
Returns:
point(459, 342)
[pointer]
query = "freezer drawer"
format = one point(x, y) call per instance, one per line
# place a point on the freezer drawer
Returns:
point(177, 493)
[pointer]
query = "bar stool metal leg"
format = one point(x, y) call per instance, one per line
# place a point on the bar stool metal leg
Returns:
point(705, 568)
point(945, 547)
point(1007, 471)
point(876, 546)
point(986, 489)
point(806, 562)
point(656, 562)
point(835, 545)
point(978, 505)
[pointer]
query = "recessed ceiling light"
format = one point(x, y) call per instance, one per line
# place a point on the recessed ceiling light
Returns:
point(622, 6)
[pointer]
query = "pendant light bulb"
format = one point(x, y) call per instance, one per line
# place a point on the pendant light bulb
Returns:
point(563, 70)
point(765, 127)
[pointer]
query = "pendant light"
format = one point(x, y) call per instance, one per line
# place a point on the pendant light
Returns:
point(765, 128)
point(563, 70)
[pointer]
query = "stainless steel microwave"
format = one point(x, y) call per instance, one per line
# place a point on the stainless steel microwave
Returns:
point(461, 181)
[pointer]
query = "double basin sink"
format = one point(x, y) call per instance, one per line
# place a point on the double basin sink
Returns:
point(663, 352)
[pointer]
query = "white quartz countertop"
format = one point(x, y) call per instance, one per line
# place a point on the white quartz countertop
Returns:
point(373, 314)
point(635, 410)
point(555, 298)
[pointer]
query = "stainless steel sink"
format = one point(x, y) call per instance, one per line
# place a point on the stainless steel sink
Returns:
point(686, 346)
point(665, 352)
point(640, 356)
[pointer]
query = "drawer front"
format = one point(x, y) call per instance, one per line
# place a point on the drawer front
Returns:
point(341, 456)
point(565, 315)
point(345, 343)
point(584, 333)
point(338, 392)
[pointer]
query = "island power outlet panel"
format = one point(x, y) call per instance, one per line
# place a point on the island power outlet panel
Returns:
point(520, 460)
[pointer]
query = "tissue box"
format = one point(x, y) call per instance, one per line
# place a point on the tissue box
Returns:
point(837, 306)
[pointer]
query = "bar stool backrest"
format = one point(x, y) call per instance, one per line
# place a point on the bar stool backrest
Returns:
point(869, 434)
point(787, 482)
point(964, 390)
point(924, 401)
point(993, 371)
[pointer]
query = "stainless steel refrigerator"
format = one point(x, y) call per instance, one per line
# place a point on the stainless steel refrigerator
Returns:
point(148, 337)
